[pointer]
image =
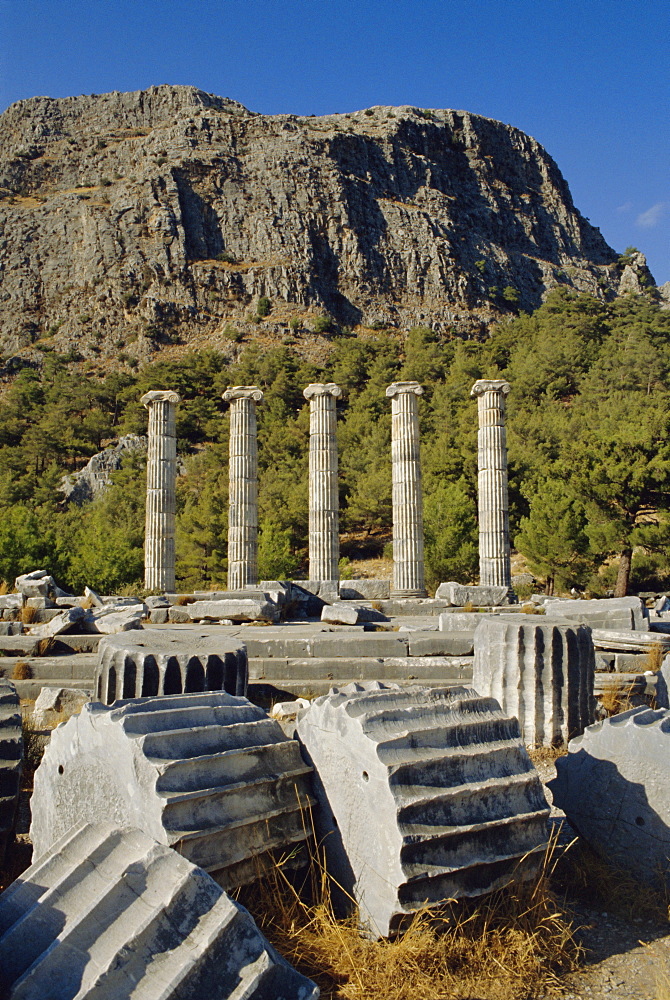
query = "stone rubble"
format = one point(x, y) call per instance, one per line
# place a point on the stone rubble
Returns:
point(169, 661)
point(608, 613)
point(339, 614)
point(11, 761)
point(613, 787)
point(423, 796)
point(109, 913)
point(459, 595)
point(243, 610)
point(209, 774)
point(52, 704)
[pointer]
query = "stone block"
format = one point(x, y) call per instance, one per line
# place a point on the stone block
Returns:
point(540, 671)
point(627, 663)
point(156, 601)
point(178, 615)
point(109, 913)
point(237, 611)
point(209, 774)
point(441, 643)
point(11, 602)
point(94, 599)
point(613, 787)
point(11, 760)
point(169, 661)
point(423, 796)
point(628, 641)
point(58, 704)
point(367, 590)
point(18, 645)
point(460, 621)
point(60, 623)
point(604, 662)
point(359, 644)
point(339, 614)
point(663, 684)
point(35, 584)
point(158, 616)
point(11, 628)
point(608, 613)
point(662, 604)
point(458, 595)
point(115, 622)
point(326, 590)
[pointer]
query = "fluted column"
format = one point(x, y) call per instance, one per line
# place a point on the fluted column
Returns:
point(159, 555)
point(243, 479)
point(324, 539)
point(494, 545)
point(408, 576)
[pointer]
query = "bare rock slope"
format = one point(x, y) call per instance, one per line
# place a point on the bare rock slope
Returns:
point(162, 215)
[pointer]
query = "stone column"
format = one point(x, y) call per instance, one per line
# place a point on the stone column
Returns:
point(159, 557)
point(494, 546)
point(243, 479)
point(408, 578)
point(324, 540)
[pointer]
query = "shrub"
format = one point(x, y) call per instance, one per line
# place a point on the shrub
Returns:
point(227, 257)
point(323, 324)
point(480, 265)
point(510, 294)
point(295, 324)
point(263, 306)
point(230, 333)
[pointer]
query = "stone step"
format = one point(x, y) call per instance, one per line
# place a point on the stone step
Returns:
point(78, 666)
point(11, 757)
point(285, 689)
point(29, 690)
point(109, 913)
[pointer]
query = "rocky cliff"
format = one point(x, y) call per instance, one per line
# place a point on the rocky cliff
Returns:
point(136, 220)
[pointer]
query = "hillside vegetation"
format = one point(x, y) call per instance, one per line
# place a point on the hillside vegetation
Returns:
point(588, 436)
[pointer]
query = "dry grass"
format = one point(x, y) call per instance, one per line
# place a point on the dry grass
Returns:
point(655, 657)
point(4, 587)
point(616, 697)
point(469, 606)
point(508, 946)
point(184, 599)
point(532, 609)
point(21, 671)
point(546, 755)
point(27, 615)
point(46, 646)
point(87, 604)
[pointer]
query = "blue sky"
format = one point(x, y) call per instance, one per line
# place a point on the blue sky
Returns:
point(590, 79)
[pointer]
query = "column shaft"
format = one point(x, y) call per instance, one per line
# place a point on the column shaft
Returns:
point(494, 542)
point(408, 569)
point(243, 484)
point(159, 546)
point(324, 541)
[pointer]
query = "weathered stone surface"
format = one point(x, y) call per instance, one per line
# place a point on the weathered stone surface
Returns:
point(108, 913)
point(366, 590)
point(210, 774)
point(35, 584)
point(459, 595)
point(169, 661)
point(10, 628)
point(159, 616)
point(55, 704)
point(326, 590)
point(423, 796)
point(631, 662)
point(11, 602)
point(540, 671)
point(662, 693)
point(60, 623)
point(11, 759)
point(450, 643)
point(495, 569)
point(237, 611)
point(662, 604)
point(178, 615)
point(156, 235)
point(613, 787)
point(339, 614)
point(156, 601)
point(93, 598)
point(608, 613)
point(111, 623)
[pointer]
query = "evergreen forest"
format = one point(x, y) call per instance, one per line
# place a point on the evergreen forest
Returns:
point(588, 441)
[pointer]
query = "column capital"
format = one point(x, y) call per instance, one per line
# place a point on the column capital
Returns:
point(243, 392)
point(321, 389)
point(396, 388)
point(483, 385)
point(160, 396)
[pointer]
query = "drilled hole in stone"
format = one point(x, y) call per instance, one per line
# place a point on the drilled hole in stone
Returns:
point(60, 768)
point(639, 821)
point(366, 776)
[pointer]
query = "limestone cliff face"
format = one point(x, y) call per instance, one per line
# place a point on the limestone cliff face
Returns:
point(136, 219)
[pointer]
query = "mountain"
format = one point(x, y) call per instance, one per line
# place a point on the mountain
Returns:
point(133, 221)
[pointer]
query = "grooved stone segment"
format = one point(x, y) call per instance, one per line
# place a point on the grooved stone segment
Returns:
point(613, 787)
point(109, 914)
point(540, 671)
point(169, 661)
point(209, 774)
point(324, 540)
point(11, 760)
point(408, 574)
point(424, 795)
point(243, 480)
point(159, 551)
point(495, 568)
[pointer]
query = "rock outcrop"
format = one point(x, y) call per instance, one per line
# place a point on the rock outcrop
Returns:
point(162, 215)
